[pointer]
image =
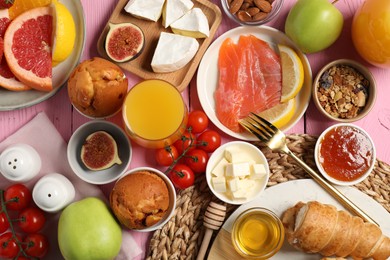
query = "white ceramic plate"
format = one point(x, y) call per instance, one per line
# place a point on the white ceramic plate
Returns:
point(10, 100)
point(283, 196)
point(207, 77)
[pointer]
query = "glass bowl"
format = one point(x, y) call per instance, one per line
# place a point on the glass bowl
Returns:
point(257, 233)
point(251, 15)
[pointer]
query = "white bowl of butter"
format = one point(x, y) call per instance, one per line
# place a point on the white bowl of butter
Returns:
point(237, 172)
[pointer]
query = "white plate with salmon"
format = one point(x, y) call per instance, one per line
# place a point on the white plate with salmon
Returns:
point(241, 73)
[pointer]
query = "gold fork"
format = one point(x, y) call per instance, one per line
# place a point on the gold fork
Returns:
point(276, 141)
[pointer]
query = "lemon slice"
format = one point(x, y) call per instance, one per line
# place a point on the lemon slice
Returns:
point(64, 33)
point(292, 73)
point(280, 114)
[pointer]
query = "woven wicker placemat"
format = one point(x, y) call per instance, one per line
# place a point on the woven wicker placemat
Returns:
point(182, 236)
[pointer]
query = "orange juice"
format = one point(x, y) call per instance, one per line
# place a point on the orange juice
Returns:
point(154, 113)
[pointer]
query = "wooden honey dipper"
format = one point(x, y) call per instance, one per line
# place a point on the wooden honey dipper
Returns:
point(212, 220)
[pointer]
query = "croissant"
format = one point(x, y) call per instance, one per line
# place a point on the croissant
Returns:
point(320, 228)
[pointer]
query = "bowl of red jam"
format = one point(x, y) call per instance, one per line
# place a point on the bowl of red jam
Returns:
point(345, 154)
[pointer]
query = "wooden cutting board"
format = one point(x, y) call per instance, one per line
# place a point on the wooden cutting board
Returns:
point(141, 65)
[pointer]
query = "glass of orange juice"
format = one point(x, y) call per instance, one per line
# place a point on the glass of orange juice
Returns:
point(154, 113)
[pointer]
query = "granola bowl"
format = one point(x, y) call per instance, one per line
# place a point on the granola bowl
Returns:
point(344, 91)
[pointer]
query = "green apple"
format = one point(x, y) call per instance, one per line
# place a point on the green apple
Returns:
point(87, 230)
point(314, 25)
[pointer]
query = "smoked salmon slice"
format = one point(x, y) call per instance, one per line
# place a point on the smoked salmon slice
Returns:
point(250, 79)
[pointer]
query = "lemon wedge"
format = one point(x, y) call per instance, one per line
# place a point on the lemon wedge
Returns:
point(280, 114)
point(64, 33)
point(292, 73)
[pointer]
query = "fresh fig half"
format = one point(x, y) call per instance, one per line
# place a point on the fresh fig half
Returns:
point(124, 41)
point(99, 151)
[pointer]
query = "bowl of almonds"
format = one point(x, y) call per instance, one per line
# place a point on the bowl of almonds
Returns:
point(252, 12)
point(344, 90)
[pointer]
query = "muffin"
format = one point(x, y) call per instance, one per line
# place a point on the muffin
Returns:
point(139, 200)
point(97, 88)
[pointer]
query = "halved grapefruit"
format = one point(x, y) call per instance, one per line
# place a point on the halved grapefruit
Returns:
point(7, 78)
point(27, 48)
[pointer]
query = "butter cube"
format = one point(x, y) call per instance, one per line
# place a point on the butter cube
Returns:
point(246, 184)
point(235, 155)
point(219, 169)
point(219, 184)
point(237, 169)
point(258, 171)
point(240, 194)
point(233, 184)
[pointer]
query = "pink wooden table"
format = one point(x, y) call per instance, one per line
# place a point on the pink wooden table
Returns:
point(97, 12)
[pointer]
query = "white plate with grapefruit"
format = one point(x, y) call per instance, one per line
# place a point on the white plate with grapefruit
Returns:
point(21, 35)
point(283, 116)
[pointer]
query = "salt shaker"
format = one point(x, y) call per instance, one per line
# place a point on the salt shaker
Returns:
point(20, 163)
point(53, 192)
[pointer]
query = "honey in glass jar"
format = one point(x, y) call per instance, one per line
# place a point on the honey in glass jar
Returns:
point(257, 233)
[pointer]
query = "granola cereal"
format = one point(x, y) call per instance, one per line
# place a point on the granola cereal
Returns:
point(342, 91)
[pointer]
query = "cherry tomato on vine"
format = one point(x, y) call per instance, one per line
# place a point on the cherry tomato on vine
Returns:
point(4, 224)
point(182, 176)
point(197, 159)
point(198, 121)
point(17, 197)
point(8, 246)
point(165, 156)
point(31, 220)
point(36, 245)
point(187, 140)
point(209, 141)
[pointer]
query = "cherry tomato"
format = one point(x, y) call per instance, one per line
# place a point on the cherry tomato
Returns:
point(198, 121)
point(31, 220)
point(165, 156)
point(17, 197)
point(8, 246)
point(182, 176)
point(4, 224)
point(36, 245)
point(187, 141)
point(209, 141)
point(197, 159)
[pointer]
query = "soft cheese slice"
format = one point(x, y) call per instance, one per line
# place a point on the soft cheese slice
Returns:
point(173, 52)
point(145, 9)
point(193, 24)
point(174, 9)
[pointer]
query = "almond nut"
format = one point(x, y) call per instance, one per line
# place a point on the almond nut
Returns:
point(245, 6)
point(244, 16)
point(252, 11)
point(263, 5)
point(259, 16)
point(235, 6)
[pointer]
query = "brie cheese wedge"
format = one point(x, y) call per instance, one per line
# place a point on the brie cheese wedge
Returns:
point(193, 24)
point(174, 9)
point(173, 52)
point(145, 9)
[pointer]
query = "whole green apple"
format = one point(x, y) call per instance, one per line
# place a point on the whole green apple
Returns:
point(313, 25)
point(87, 230)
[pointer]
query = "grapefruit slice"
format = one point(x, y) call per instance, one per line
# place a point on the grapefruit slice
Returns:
point(27, 48)
point(7, 78)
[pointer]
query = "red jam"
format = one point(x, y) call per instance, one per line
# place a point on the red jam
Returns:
point(345, 153)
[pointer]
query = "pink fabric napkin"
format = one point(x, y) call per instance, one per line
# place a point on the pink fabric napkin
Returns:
point(41, 134)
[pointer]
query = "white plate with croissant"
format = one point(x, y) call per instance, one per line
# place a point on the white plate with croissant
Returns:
point(286, 196)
